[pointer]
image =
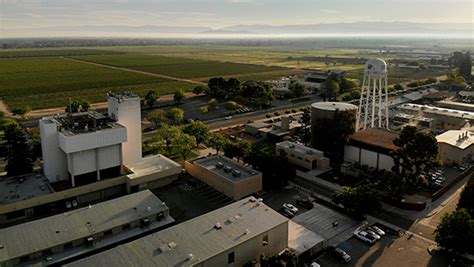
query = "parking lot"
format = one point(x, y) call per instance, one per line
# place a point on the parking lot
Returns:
point(388, 251)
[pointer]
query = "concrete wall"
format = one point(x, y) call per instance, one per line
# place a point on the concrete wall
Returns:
point(252, 249)
point(450, 155)
point(54, 159)
point(86, 141)
point(365, 157)
point(127, 112)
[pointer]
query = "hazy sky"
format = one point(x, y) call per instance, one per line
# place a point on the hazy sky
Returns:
point(16, 16)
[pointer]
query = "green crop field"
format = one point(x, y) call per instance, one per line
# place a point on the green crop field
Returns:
point(53, 52)
point(50, 82)
point(178, 67)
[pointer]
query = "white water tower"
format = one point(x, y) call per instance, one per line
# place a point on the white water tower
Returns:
point(373, 104)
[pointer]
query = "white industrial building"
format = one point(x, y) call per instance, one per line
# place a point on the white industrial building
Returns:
point(82, 147)
point(456, 147)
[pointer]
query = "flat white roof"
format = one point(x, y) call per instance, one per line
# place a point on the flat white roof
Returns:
point(439, 111)
point(239, 222)
point(458, 138)
point(152, 164)
point(300, 148)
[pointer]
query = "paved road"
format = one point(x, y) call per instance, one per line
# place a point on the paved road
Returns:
point(136, 71)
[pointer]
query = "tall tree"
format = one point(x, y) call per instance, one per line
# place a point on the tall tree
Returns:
point(331, 135)
point(179, 96)
point(233, 88)
point(217, 87)
point(199, 130)
point(176, 114)
point(417, 151)
point(456, 232)
point(165, 137)
point(360, 200)
point(20, 155)
point(150, 98)
point(330, 89)
point(466, 201)
point(216, 141)
point(257, 92)
point(157, 116)
point(78, 105)
point(236, 149)
point(184, 144)
point(297, 89)
point(200, 90)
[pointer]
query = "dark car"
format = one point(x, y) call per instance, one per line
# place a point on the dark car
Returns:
point(305, 203)
point(339, 254)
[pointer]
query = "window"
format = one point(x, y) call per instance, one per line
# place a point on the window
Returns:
point(68, 245)
point(108, 232)
point(231, 258)
point(265, 240)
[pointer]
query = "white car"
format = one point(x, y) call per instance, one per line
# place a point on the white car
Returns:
point(366, 237)
point(228, 118)
point(373, 233)
point(290, 207)
point(379, 231)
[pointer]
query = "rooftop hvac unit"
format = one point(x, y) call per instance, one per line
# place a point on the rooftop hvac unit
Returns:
point(236, 173)
point(217, 226)
point(190, 257)
point(145, 222)
point(227, 168)
point(219, 165)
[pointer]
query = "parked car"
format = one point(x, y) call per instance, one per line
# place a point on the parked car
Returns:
point(340, 254)
point(305, 203)
point(366, 237)
point(290, 207)
point(377, 229)
point(288, 213)
point(228, 118)
point(373, 233)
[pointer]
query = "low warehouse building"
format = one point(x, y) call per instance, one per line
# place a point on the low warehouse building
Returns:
point(69, 235)
point(227, 176)
point(235, 235)
point(371, 147)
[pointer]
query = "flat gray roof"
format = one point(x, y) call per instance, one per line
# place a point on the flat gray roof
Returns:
point(333, 106)
point(211, 162)
point(39, 235)
point(13, 190)
point(240, 221)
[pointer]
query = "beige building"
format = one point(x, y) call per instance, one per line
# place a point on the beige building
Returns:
point(234, 235)
point(303, 156)
point(55, 239)
point(227, 176)
point(456, 147)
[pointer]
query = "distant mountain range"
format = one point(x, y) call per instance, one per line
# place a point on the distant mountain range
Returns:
point(373, 28)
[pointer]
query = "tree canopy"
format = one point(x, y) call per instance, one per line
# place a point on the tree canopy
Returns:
point(456, 232)
point(360, 200)
point(150, 98)
point(417, 152)
point(330, 89)
point(297, 89)
point(179, 96)
point(331, 135)
point(20, 154)
point(216, 141)
point(466, 200)
point(199, 130)
point(176, 114)
point(184, 144)
point(157, 116)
